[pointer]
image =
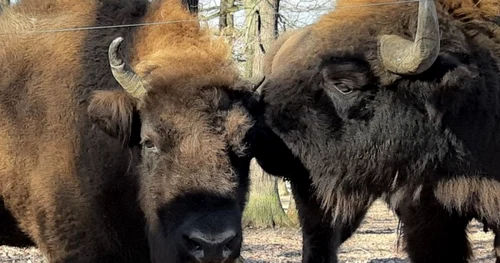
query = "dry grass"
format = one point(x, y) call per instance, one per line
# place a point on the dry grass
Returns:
point(374, 242)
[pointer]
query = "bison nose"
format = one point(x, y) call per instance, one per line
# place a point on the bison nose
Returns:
point(213, 247)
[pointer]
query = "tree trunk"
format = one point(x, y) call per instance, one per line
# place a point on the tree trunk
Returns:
point(283, 191)
point(292, 212)
point(4, 4)
point(192, 5)
point(267, 21)
point(262, 30)
point(250, 36)
point(226, 19)
point(264, 207)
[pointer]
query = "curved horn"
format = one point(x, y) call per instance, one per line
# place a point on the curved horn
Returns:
point(257, 89)
point(122, 72)
point(402, 56)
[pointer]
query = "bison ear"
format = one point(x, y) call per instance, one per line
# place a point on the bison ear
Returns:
point(115, 113)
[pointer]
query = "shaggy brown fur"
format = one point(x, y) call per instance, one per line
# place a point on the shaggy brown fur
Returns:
point(337, 137)
point(278, 50)
point(461, 9)
point(73, 189)
point(159, 52)
point(113, 111)
point(468, 195)
point(344, 16)
point(296, 48)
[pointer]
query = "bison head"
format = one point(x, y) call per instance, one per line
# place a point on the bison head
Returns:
point(369, 111)
point(193, 173)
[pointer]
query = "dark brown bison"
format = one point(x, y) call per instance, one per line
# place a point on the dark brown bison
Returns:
point(119, 144)
point(393, 101)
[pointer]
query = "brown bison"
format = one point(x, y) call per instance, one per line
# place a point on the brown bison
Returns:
point(397, 101)
point(121, 144)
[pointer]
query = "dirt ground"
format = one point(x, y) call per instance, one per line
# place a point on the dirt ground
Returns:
point(374, 242)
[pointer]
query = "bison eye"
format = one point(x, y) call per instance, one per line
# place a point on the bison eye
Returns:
point(343, 88)
point(149, 144)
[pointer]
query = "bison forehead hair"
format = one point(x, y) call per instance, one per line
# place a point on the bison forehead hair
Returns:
point(365, 125)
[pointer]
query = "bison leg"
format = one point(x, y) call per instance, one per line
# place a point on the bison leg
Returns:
point(496, 243)
point(433, 234)
point(320, 240)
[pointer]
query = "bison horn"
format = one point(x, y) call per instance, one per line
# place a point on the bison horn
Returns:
point(124, 75)
point(402, 56)
point(258, 87)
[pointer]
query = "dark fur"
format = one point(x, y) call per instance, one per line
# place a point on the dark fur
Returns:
point(416, 141)
point(76, 179)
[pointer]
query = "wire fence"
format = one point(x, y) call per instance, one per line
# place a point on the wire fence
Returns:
point(58, 30)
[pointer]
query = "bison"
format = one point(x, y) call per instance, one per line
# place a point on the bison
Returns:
point(389, 101)
point(120, 144)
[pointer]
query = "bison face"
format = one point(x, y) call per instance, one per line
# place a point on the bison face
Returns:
point(365, 121)
point(194, 171)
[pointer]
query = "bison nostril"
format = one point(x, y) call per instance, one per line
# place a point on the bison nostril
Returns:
point(193, 246)
point(208, 247)
point(231, 245)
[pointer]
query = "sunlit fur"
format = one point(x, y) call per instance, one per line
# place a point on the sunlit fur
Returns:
point(73, 172)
